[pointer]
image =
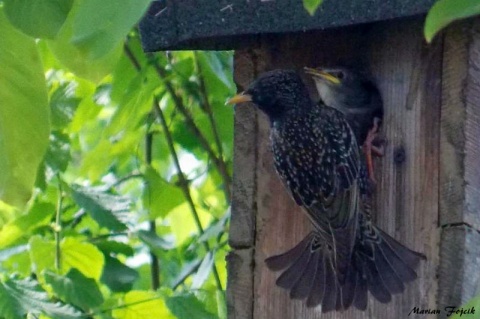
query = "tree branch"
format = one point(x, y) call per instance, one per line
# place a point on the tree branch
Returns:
point(218, 162)
point(184, 184)
point(182, 179)
point(154, 262)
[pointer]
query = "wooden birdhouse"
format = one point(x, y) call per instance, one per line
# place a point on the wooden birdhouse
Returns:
point(428, 190)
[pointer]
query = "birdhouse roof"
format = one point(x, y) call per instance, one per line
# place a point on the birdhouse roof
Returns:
point(230, 24)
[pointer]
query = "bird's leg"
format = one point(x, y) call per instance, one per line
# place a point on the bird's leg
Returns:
point(369, 148)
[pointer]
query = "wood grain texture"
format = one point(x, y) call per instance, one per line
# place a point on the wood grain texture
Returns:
point(240, 263)
point(428, 192)
point(460, 166)
point(408, 74)
point(460, 257)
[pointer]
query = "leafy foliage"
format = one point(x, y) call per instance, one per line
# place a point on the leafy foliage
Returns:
point(115, 181)
point(445, 12)
point(312, 5)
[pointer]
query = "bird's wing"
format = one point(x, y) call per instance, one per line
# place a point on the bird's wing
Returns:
point(320, 168)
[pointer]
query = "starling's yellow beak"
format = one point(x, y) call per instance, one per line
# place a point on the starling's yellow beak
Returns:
point(239, 98)
point(322, 74)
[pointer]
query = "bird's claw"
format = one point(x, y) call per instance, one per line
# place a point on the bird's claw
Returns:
point(369, 149)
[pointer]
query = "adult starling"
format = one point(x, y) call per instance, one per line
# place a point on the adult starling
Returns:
point(317, 157)
point(355, 95)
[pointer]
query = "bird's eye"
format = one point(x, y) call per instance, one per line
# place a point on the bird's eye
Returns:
point(340, 75)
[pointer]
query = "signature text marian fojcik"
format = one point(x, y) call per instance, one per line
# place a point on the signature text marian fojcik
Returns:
point(450, 310)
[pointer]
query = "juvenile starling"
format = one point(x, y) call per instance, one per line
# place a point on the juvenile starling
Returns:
point(356, 96)
point(317, 157)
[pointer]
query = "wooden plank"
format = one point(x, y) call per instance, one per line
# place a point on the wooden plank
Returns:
point(460, 256)
point(460, 178)
point(460, 169)
point(240, 285)
point(407, 197)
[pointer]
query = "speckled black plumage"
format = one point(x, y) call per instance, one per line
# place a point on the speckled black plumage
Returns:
point(317, 157)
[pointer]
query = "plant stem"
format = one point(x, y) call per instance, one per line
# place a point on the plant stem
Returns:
point(217, 162)
point(208, 108)
point(155, 263)
point(58, 226)
point(182, 179)
point(184, 185)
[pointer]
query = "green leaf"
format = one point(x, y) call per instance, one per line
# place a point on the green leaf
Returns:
point(102, 25)
point(20, 297)
point(311, 5)
point(154, 241)
point(7, 253)
point(115, 247)
point(63, 104)
point(187, 307)
point(117, 276)
point(213, 230)
point(40, 214)
point(203, 271)
point(58, 153)
point(76, 289)
point(219, 65)
point(38, 18)
point(74, 254)
point(106, 209)
point(474, 304)
point(160, 197)
point(143, 304)
point(221, 304)
point(78, 61)
point(444, 12)
point(24, 114)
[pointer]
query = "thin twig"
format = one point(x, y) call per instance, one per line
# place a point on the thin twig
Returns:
point(182, 179)
point(155, 263)
point(184, 184)
point(58, 226)
point(208, 109)
point(218, 162)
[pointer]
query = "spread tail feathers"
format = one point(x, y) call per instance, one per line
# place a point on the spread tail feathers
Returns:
point(378, 264)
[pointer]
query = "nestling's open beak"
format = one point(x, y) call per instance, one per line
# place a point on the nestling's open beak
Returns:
point(239, 98)
point(322, 74)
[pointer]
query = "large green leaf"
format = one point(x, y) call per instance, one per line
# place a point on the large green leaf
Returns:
point(74, 254)
point(101, 25)
point(40, 214)
point(159, 196)
point(19, 297)
point(79, 61)
point(143, 304)
point(444, 12)
point(117, 276)
point(187, 307)
point(108, 210)
point(76, 289)
point(38, 18)
point(24, 114)
point(203, 271)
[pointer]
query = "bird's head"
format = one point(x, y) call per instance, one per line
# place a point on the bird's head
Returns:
point(276, 93)
point(344, 88)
